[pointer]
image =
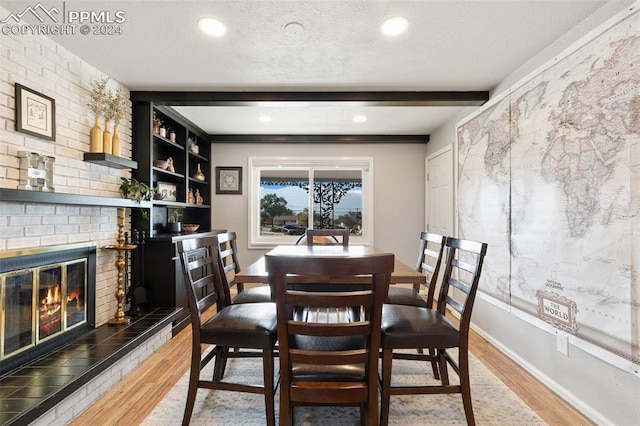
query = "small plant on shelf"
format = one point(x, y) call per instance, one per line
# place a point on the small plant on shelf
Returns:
point(175, 216)
point(174, 220)
point(136, 191)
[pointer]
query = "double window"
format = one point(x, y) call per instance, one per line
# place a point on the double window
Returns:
point(288, 195)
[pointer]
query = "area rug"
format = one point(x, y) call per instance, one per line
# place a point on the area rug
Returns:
point(493, 402)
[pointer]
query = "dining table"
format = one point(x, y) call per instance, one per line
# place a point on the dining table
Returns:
point(256, 272)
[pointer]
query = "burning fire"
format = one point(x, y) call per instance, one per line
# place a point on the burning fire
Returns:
point(52, 302)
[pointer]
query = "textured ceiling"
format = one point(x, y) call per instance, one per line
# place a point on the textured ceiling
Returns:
point(450, 46)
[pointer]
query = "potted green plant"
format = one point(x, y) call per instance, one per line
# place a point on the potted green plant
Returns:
point(174, 220)
point(137, 191)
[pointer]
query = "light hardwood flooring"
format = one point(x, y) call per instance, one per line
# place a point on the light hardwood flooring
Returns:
point(133, 398)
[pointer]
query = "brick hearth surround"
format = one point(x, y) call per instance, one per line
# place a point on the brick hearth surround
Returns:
point(39, 63)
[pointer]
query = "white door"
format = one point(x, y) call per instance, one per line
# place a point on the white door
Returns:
point(439, 196)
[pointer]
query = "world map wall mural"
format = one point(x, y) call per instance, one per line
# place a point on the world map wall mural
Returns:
point(549, 176)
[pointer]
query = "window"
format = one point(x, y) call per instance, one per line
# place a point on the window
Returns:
point(284, 190)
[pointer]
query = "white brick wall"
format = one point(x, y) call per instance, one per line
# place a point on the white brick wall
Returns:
point(39, 63)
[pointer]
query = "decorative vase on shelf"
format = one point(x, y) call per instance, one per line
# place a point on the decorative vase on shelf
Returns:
point(106, 138)
point(198, 174)
point(115, 140)
point(95, 137)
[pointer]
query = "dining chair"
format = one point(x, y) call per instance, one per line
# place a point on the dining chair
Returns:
point(250, 329)
point(325, 237)
point(328, 356)
point(429, 260)
point(405, 327)
point(229, 266)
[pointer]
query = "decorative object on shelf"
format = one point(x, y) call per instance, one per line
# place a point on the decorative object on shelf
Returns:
point(199, 199)
point(113, 108)
point(163, 131)
point(159, 196)
point(117, 107)
point(106, 138)
point(121, 248)
point(169, 190)
point(156, 124)
point(193, 146)
point(174, 220)
point(170, 165)
point(189, 227)
point(95, 137)
point(137, 191)
point(190, 198)
point(35, 113)
point(36, 171)
point(172, 135)
point(161, 164)
point(97, 105)
point(198, 175)
point(228, 180)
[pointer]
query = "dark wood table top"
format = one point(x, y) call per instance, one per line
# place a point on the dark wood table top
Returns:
point(256, 272)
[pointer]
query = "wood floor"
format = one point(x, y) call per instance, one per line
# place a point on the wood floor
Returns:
point(133, 398)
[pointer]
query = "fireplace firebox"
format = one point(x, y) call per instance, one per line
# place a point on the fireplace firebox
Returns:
point(47, 298)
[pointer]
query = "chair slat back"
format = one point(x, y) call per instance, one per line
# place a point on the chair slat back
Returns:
point(333, 237)
point(429, 261)
point(228, 264)
point(462, 272)
point(198, 263)
point(304, 314)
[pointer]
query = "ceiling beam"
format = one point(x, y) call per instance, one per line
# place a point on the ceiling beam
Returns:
point(372, 99)
point(353, 139)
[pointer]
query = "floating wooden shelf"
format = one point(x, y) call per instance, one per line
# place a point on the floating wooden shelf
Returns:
point(110, 160)
point(23, 196)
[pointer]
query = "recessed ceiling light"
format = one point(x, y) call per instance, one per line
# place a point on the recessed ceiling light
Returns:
point(359, 119)
point(394, 26)
point(212, 27)
point(264, 118)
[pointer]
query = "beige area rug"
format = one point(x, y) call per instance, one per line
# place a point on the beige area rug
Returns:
point(493, 402)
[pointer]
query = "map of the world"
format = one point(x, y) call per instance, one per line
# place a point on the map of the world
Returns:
point(549, 176)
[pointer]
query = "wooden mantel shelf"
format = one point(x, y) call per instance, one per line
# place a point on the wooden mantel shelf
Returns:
point(23, 196)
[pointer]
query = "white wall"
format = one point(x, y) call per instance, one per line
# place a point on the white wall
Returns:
point(398, 200)
point(606, 394)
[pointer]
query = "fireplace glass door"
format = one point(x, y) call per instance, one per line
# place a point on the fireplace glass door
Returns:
point(39, 303)
point(17, 295)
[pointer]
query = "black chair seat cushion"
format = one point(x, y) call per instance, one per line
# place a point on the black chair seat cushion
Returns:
point(250, 325)
point(405, 296)
point(259, 294)
point(404, 327)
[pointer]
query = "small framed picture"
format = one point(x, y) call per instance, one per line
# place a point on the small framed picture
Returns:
point(167, 191)
point(35, 113)
point(228, 180)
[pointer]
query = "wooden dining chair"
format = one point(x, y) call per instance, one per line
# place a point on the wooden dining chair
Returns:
point(327, 356)
point(405, 327)
point(325, 237)
point(429, 260)
point(229, 266)
point(250, 329)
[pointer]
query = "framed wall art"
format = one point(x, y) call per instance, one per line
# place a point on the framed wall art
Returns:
point(35, 113)
point(228, 180)
point(167, 191)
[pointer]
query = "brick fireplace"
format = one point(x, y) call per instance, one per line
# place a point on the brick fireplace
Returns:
point(47, 298)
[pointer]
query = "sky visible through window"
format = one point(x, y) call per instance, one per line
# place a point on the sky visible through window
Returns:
point(298, 199)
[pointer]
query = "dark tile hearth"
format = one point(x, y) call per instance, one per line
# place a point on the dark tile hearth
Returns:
point(30, 391)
